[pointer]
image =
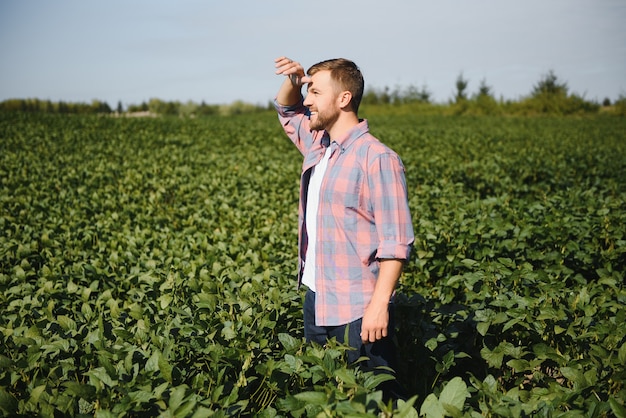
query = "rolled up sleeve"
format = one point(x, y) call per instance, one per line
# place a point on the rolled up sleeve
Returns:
point(391, 207)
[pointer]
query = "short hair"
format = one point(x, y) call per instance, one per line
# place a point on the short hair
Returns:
point(348, 76)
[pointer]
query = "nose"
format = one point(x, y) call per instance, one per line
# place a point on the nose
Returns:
point(307, 100)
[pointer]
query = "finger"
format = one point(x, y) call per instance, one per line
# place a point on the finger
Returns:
point(286, 68)
point(373, 336)
point(369, 337)
point(283, 62)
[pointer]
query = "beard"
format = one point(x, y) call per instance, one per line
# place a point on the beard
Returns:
point(324, 120)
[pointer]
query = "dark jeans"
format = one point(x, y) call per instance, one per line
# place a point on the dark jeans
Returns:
point(379, 353)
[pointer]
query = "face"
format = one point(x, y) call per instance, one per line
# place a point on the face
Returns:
point(322, 101)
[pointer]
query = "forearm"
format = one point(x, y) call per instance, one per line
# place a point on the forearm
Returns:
point(289, 94)
point(376, 318)
point(388, 276)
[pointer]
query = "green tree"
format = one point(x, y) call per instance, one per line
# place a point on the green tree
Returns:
point(551, 95)
point(206, 109)
point(484, 100)
point(461, 87)
point(484, 90)
point(412, 94)
point(161, 107)
point(188, 109)
point(99, 107)
point(550, 85)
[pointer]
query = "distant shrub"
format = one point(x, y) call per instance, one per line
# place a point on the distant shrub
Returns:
point(619, 106)
point(238, 108)
point(551, 96)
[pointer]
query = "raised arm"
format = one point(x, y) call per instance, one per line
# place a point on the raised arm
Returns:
point(290, 93)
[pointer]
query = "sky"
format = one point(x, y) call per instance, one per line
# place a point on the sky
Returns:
point(218, 52)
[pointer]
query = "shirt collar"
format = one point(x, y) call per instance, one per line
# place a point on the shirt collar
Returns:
point(346, 140)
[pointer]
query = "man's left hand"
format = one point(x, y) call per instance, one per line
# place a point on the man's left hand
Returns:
point(375, 322)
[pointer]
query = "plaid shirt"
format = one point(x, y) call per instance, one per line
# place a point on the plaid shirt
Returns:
point(363, 214)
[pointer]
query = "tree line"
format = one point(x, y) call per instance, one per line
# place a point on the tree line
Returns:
point(549, 95)
point(48, 106)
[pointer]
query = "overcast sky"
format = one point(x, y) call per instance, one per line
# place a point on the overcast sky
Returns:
point(222, 51)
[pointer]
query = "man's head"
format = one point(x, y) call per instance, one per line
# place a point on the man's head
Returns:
point(346, 76)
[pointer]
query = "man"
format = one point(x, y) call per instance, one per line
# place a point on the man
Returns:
point(355, 229)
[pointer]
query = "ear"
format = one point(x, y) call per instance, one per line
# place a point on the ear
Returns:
point(344, 98)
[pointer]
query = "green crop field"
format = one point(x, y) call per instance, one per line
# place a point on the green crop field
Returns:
point(147, 269)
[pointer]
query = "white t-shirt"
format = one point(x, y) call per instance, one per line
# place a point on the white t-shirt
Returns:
point(312, 204)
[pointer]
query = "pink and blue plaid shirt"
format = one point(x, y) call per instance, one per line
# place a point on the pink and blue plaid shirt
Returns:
point(363, 214)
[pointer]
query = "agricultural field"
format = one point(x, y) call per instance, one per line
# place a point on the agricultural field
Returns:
point(147, 269)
